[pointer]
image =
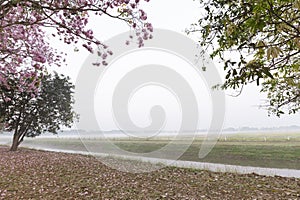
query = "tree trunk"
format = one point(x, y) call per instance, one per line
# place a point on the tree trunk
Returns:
point(15, 143)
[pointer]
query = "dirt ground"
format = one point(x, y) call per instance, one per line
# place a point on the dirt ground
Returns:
point(31, 174)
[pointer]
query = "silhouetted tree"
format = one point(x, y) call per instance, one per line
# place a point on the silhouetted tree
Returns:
point(29, 114)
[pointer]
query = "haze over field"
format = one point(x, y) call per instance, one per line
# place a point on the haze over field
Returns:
point(240, 112)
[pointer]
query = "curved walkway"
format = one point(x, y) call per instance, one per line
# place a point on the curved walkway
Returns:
point(193, 165)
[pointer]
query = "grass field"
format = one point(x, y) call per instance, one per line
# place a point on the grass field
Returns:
point(259, 150)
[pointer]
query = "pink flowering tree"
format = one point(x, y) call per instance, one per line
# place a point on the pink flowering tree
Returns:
point(24, 48)
point(25, 51)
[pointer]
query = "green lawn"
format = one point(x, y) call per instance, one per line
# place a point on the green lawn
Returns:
point(248, 150)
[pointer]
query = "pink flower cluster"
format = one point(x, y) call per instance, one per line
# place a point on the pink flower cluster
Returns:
point(24, 48)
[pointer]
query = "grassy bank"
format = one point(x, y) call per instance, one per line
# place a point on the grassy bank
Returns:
point(30, 174)
point(274, 151)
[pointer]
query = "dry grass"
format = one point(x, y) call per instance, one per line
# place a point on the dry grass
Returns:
point(31, 174)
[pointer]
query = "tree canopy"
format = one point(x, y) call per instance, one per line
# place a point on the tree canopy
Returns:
point(265, 34)
point(25, 48)
point(28, 114)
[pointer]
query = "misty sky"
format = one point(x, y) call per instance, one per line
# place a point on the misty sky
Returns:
point(174, 15)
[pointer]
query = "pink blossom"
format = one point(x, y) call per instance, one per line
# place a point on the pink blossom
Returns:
point(25, 50)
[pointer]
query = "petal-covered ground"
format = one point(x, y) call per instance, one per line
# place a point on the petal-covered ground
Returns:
point(31, 174)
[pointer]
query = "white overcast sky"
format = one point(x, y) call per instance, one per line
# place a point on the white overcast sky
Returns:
point(175, 15)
